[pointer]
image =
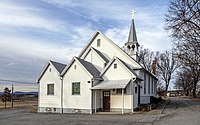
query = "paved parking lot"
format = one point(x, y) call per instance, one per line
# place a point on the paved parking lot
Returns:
point(19, 116)
point(178, 112)
point(181, 111)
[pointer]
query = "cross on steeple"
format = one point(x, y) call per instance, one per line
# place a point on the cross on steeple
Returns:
point(131, 46)
point(133, 13)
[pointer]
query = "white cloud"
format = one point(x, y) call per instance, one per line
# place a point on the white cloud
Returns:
point(119, 36)
point(156, 39)
point(30, 52)
point(149, 21)
point(10, 64)
point(96, 10)
point(19, 16)
point(34, 48)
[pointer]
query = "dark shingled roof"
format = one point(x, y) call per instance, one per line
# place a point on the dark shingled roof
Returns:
point(59, 66)
point(90, 67)
point(101, 54)
point(127, 66)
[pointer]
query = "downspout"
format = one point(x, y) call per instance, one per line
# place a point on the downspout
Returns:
point(91, 97)
point(133, 93)
point(122, 101)
point(61, 96)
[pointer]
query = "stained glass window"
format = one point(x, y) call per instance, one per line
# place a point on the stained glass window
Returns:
point(50, 89)
point(76, 88)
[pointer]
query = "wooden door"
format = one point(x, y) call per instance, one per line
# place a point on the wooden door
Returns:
point(106, 100)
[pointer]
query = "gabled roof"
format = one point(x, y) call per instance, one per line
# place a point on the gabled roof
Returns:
point(115, 45)
point(132, 38)
point(128, 68)
point(90, 68)
point(100, 54)
point(59, 67)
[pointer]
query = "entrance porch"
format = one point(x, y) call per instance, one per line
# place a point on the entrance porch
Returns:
point(113, 96)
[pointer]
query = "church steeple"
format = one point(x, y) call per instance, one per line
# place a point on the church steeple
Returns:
point(132, 46)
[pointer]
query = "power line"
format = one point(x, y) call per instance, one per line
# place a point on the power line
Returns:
point(15, 81)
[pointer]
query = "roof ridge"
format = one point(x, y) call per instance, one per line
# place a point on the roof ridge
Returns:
point(89, 67)
point(100, 54)
point(58, 66)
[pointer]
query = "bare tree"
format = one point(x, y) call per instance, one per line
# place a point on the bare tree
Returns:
point(6, 96)
point(146, 57)
point(183, 19)
point(184, 23)
point(166, 65)
point(160, 88)
point(184, 82)
point(188, 54)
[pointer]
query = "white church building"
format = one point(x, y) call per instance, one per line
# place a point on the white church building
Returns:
point(104, 77)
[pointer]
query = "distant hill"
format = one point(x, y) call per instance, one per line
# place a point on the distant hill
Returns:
point(23, 93)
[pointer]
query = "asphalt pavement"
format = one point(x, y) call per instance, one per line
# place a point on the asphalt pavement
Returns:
point(179, 111)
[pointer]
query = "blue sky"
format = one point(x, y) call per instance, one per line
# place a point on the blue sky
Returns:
point(34, 31)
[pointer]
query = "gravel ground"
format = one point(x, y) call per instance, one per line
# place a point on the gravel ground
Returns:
point(178, 112)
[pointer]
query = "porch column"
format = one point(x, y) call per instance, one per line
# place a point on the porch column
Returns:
point(122, 101)
point(95, 102)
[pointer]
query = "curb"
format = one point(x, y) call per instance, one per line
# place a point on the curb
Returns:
point(164, 106)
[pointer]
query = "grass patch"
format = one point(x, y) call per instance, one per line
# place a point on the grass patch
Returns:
point(32, 110)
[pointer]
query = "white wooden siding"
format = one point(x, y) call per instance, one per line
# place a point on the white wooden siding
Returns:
point(50, 78)
point(116, 101)
point(116, 74)
point(82, 101)
point(95, 60)
point(110, 50)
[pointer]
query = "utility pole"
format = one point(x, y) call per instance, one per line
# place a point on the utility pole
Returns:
point(12, 96)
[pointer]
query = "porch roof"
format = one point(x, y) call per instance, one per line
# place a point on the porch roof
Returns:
point(112, 84)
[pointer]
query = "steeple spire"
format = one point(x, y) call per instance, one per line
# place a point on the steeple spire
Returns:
point(132, 33)
point(131, 46)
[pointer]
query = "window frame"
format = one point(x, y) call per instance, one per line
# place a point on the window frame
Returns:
point(98, 42)
point(73, 85)
point(145, 85)
point(119, 91)
point(136, 90)
point(48, 91)
point(149, 85)
point(115, 65)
